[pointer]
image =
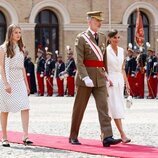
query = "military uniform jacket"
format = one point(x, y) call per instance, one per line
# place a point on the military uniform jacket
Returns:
point(27, 63)
point(84, 52)
point(49, 67)
point(41, 65)
point(130, 66)
point(59, 67)
point(152, 66)
point(71, 67)
point(141, 62)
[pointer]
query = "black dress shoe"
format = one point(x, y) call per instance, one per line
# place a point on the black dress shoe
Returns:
point(110, 141)
point(74, 141)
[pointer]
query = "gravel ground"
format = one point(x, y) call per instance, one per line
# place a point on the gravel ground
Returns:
point(52, 115)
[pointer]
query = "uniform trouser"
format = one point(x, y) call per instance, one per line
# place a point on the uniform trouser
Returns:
point(140, 81)
point(81, 100)
point(132, 84)
point(60, 84)
point(49, 84)
point(40, 81)
point(29, 82)
point(71, 85)
point(152, 86)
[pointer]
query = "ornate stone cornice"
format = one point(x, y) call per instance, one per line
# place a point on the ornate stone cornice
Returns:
point(105, 27)
point(27, 26)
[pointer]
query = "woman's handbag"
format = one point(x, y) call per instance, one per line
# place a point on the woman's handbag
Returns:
point(129, 102)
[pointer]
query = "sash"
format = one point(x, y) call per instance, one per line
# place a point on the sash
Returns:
point(94, 47)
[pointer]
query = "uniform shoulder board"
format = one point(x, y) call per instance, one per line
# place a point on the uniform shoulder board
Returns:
point(102, 33)
point(78, 37)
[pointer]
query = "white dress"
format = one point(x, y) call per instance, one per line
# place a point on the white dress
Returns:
point(18, 99)
point(116, 92)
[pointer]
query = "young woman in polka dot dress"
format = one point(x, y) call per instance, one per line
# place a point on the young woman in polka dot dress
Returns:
point(14, 88)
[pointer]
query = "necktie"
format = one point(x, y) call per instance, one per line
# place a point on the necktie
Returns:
point(96, 37)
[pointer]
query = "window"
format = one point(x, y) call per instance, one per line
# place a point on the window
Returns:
point(2, 27)
point(47, 31)
point(132, 26)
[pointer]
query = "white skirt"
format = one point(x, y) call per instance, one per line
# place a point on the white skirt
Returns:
point(116, 102)
point(16, 101)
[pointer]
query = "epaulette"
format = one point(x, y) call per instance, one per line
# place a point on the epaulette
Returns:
point(102, 33)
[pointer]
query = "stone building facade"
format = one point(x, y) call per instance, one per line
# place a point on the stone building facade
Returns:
point(55, 23)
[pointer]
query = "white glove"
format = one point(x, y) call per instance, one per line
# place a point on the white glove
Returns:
point(88, 82)
point(42, 74)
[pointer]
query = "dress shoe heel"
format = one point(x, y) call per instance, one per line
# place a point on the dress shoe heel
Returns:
point(126, 140)
point(27, 142)
point(74, 141)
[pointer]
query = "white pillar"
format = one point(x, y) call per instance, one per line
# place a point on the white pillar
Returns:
point(109, 15)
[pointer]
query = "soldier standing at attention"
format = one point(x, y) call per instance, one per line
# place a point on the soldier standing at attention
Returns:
point(151, 73)
point(71, 71)
point(40, 72)
point(92, 66)
point(59, 68)
point(26, 65)
point(49, 73)
point(140, 74)
point(129, 70)
point(30, 72)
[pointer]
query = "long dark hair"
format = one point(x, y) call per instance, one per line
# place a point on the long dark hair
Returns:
point(9, 43)
point(111, 34)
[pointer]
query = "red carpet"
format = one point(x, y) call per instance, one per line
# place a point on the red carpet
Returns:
point(88, 146)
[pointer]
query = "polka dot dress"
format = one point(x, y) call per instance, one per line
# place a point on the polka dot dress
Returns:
point(18, 99)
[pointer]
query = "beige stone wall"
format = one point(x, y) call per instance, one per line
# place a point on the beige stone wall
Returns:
point(77, 12)
point(23, 8)
point(29, 40)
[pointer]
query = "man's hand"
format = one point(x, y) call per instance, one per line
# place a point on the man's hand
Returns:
point(88, 82)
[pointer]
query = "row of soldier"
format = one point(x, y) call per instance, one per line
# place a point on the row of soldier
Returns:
point(47, 69)
point(141, 67)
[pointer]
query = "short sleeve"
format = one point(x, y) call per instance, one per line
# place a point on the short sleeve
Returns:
point(3, 48)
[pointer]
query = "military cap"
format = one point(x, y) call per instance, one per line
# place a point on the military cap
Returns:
point(95, 14)
point(48, 53)
point(40, 51)
point(59, 56)
point(131, 50)
point(150, 49)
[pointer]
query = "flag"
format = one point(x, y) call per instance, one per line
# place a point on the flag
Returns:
point(139, 33)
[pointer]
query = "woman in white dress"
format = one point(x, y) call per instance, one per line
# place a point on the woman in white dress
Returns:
point(13, 83)
point(117, 78)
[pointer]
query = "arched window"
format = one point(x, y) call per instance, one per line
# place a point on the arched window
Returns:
point(3, 26)
point(132, 26)
point(47, 31)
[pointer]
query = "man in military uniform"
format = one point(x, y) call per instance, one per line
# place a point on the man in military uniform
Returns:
point(71, 71)
point(26, 65)
point(59, 68)
point(91, 65)
point(49, 73)
point(151, 73)
point(130, 68)
point(140, 74)
point(29, 67)
point(40, 72)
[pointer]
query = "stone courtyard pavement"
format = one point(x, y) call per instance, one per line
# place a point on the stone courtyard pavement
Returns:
point(52, 115)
